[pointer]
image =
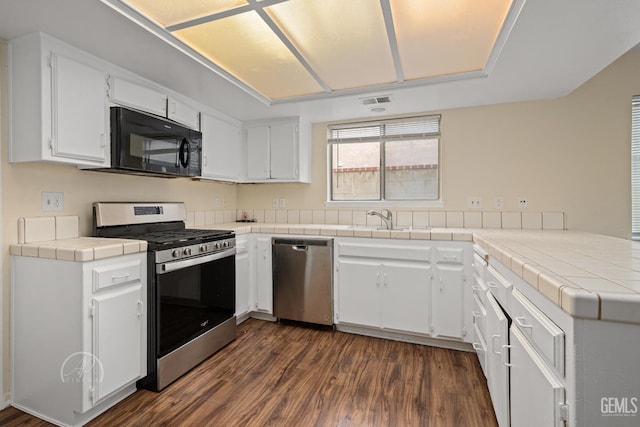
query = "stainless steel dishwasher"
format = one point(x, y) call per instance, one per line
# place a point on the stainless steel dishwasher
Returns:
point(302, 285)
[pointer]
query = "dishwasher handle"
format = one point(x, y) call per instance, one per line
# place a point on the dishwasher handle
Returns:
point(300, 248)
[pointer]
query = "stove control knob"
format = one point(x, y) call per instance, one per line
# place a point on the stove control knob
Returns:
point(203, 248)
point(175, 253)
point(217, 245)
point(187, 251)
point(225, 244)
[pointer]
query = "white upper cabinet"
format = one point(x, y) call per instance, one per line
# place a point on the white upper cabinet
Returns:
point(57, 103)
point(182, 112)
point(123, 91)
point(278, 151)
point(258, 152)
point(135, 93)
point(222, 150)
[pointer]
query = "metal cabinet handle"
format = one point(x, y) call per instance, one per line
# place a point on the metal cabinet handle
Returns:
point(120, 277)
point(378, 279)
point(476, 314)
point(299, 248)
point(477, 346)
point(492, 284)
point(140, 308)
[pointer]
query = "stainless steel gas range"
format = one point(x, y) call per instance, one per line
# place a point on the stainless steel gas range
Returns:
point(191, 284)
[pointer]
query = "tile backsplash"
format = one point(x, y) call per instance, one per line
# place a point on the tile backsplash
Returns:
point(401, 218)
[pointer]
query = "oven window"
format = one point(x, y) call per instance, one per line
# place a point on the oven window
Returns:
point(193, 300)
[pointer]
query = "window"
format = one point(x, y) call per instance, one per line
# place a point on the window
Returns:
point(635, 167)
point(385, 160)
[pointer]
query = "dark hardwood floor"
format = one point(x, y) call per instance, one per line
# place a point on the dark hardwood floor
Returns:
point(284, 375)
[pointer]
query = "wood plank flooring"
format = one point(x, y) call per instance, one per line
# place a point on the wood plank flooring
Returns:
point(286, 375)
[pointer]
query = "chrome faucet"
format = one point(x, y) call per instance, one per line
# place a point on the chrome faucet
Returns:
point(388, 219)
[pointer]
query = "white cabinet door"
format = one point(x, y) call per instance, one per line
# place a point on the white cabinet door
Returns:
point(264, 279)
point(221, 149)
point(359, 291)
point(258, 155)
point(447, 315)
point(180, 112)
point(284, 151)
point(243, 278)
point(405, 296)
point(497, 337)
point(117, 339)
point(79, 114)
point(536, 393)
point(134, 95)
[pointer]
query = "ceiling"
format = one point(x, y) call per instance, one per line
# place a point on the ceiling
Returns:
point(547, 49)
point(288, 50)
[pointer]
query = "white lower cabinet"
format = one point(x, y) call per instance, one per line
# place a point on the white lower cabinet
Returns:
point(404, 286)
point(537, 395)
point(384, 294)
point(497, 372)
point(117, 317)
point(79, 335)
point(447, 310)
point(263, 275)
point(523, 350)
point(243, 275)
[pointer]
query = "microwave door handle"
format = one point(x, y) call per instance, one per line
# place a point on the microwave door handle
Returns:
point(185, 153)
point(177, 265)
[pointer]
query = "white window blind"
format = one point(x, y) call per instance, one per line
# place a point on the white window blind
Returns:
point(635, 167)
point(388, 130)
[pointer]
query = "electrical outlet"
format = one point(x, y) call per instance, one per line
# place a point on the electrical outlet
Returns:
point(52, 202)
point(474, 202)
point(283, 203)
point(218, 202)
point(498, 202)
point(275, 202)
point(522, 202)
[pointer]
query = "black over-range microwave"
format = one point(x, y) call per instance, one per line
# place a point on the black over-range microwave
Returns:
point(145, 144)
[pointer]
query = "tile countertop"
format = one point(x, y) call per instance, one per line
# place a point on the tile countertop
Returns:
point(588, 275)
point(79, 248)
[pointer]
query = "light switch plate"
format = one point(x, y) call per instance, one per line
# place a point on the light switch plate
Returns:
point(52, 202)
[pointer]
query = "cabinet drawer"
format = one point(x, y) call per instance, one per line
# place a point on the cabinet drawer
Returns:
point(545, 335)
point(479, 266)
point(371, 250)
point(116, 274)
point(500, 287)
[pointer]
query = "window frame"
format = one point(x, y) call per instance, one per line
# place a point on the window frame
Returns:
point(382, 138)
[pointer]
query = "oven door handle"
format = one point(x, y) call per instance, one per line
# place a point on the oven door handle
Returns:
point(177, 265)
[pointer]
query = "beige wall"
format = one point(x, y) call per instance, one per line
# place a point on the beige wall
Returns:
point(569, 154)
point(22, 184)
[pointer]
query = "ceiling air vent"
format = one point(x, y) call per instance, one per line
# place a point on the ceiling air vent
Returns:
point(376, 100)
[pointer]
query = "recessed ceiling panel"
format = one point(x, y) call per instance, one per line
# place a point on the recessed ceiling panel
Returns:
point(440, 37)
point(170, 12)
point(245, 46)
point(345, 42)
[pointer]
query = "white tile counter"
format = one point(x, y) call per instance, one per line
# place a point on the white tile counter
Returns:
point(588, 275)
point(79, 248)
